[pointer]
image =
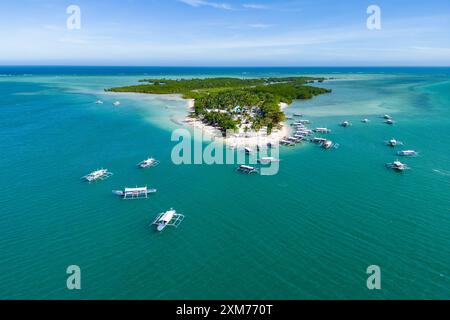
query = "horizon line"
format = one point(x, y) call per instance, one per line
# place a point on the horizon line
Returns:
point(223, 66)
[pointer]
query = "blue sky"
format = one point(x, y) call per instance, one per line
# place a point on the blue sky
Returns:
point(225, 33)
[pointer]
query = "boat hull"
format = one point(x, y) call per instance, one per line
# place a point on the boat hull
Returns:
point(161, 227)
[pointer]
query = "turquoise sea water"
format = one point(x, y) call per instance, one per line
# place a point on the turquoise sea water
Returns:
point(308, 232)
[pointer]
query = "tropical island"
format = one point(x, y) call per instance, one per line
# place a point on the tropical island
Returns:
point(243, 106)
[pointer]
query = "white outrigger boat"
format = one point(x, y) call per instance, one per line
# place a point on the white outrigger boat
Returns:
point(322, 130)
point(247, 169)
point(387, 117)
point(99, 102)
point(294, 139)
point(285, 142)
point(267, 160)
point(300, 136)
point(397, 166)
point(393, 142)
point(365, 120)
point(304, 132)
point(407, 153)
point(318, 140)
point(328, 144)
point(150, 162)
point(101, 174)
point(346, 124)
point(301, 122)
point(117, 104)
point(389, 121)
point(134, 193)
point(169, 218)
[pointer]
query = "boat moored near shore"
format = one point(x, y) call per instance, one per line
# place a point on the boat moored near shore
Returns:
point(346, 124)
point(322, 130)
point(295, 139)
point(287, 143)
point(327, 144)
point(318, 140)
point(304, 132)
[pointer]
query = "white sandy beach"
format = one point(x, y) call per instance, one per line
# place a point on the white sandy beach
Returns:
point(241, 139)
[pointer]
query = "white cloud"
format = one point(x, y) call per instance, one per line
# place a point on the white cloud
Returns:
point(51, 27)
point(260, 25)
point(433, 49)
point(254, 6)
point(200, 3)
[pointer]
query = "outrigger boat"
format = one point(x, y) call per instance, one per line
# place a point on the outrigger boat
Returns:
point(117, 104)
point(168, 219)
point(397, 165)
point(295, 139)
point(322, 130)
point(393, 142)
point(365, 120)
point(247, 169)
point(346, 124)
point(266, 160)
point(387, 117)
point(318, 140)
point(304, 132)
point(327, 144)
point(99, 102)
point(300, 122)
point(407, 153)
point(389, 121)
point(134, 193)
point(300, 136)
point(96, 175)
point(150, 162)
point(288, 143)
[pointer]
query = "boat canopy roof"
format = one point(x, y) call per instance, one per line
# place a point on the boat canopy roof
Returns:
point(129, 190)
point(167, 216)
point(98, 171)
